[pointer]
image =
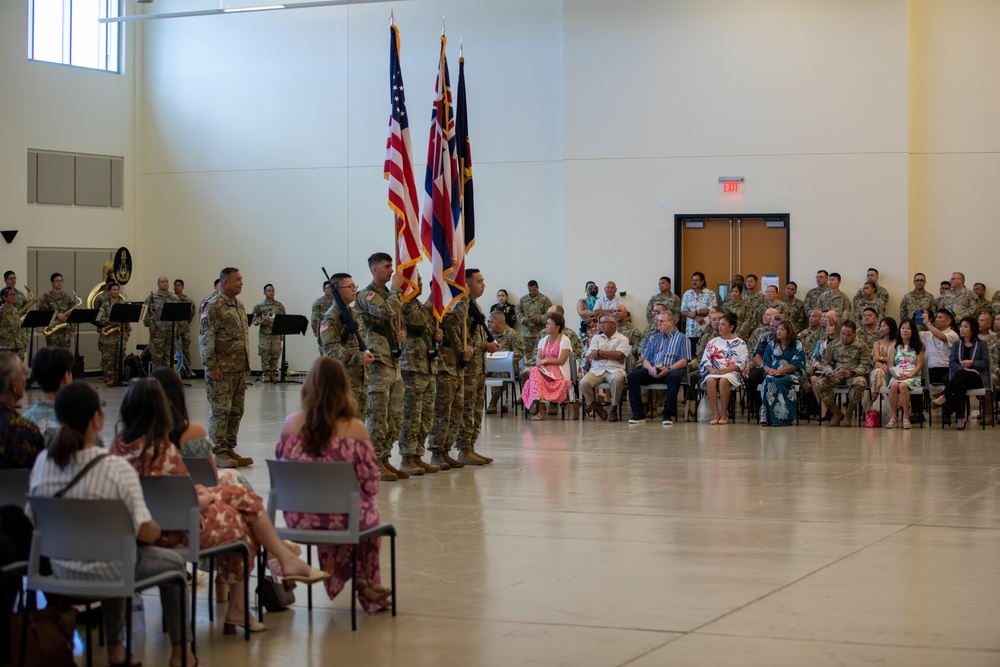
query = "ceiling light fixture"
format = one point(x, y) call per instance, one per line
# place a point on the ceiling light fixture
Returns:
point(238, 10)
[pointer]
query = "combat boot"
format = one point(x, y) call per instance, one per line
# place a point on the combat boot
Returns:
point(438, 459)
point(400, 474)
point(426, 466)
point(836, 416)
point(467, 458)
point(852, 409)
point(410, 465)
point(487, 459)
point(386, 474)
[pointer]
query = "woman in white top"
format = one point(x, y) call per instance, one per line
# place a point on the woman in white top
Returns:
point(722, 367)
point(78, 407)
point(549, 380)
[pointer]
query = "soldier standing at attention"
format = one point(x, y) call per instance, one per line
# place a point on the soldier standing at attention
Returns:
point(342, 344)
point(531, 310)
point(268, 346)
point(319, 308)
point(62, 303)
point(184, 332)
point(380, 305)
point(160, 345)
point(108, 345)
point(419, 366)
point(666, 298)
point(450, 398)
point(10, 324)
point(474, 383)
point(225, 353)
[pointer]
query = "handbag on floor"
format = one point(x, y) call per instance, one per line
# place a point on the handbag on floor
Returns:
point(49, 640)
point(873, 419)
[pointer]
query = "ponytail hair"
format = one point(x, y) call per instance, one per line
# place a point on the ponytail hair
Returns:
point(76, 404)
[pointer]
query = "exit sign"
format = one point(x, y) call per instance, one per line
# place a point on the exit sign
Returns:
point(731, 185)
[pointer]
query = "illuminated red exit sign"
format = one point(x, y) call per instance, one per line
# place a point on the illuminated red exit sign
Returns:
point(731, 185)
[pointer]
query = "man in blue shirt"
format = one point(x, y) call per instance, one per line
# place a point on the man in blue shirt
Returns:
point(663, 362)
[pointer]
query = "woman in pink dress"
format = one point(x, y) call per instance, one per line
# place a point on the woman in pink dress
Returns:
point(327, 429)
point(549, 378)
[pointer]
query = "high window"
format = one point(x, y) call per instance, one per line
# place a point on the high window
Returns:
point(67, 32)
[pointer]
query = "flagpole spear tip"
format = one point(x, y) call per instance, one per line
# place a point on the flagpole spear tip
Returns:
point(392, 17)
point(442, 26)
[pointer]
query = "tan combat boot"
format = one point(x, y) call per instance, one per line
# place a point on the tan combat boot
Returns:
point(410, 465)
point(426, 466)
point(836, 416)
point(387, 475)
point(401, 474)
point(487, 459)
point(438, 460)
point(467, 458)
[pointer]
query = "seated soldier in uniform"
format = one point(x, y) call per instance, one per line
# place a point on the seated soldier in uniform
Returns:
point(846, 362)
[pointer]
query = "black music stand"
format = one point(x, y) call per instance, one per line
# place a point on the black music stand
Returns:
point(287, 325)
point(35, 319)
point(79, 316)
point(174, 312)
point(122, 314)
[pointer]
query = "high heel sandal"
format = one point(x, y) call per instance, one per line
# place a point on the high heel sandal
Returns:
point(891, 423)
point(906, 424)
point(370, 592)
point(229, 627)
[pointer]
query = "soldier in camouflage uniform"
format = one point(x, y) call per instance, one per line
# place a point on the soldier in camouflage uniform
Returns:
point(62, 303)
point(479, 342)
point(268, 346)
point(102, 296)
point(508, 340)
point(794, 308)
point(629, 330)
point(850, 362)
point(319, 308)
point(868, 300)
point(666, 298)
point(987, 332)
point(809, 336)
point(10, 278)
point(184, 330)
point(959, 299)
point(380, 305)
point(771, 300)
point(342, 344)
point(983, 304)
point(813, 300)
point(995, 302)
point(531, 311)
point(880, 293)
point(225, 353)
point(918, 299)
point(161, 347)
point(419, 369)
point(754, 296)
point(869, 331)
point(760, 331)
point(10, 324)
point(836, 300)
point(746, 317)
point(450, 399)
point(108, 345)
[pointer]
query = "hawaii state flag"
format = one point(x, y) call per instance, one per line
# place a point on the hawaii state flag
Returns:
point(441, 232)
point(399, 173)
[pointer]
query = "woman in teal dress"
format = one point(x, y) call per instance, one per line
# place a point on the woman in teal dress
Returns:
point(784, 370)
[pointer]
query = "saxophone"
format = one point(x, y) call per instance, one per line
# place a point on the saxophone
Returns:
point(32, 300)
point(113, 328)
point(59, 326)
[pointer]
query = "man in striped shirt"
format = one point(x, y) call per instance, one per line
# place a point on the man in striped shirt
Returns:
point(663, 362)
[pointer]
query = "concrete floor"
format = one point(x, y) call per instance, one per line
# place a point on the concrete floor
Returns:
point(589, 543)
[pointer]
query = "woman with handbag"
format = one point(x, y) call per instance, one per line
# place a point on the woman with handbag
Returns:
point(904, 365)
point(969, 368)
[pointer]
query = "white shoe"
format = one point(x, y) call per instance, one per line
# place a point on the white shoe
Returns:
point(667, 422)
point(637, 421)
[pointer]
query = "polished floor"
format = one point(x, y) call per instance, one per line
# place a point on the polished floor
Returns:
point(590, 543)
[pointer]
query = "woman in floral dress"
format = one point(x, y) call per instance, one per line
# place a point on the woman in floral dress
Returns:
point(907, 363)
point(549, 380)
point(327, 429)
point(784, 368)
point(722, 367)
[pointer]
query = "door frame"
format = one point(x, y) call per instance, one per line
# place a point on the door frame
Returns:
point(678, 235)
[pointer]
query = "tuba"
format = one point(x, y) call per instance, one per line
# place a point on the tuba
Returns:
point(59, 326)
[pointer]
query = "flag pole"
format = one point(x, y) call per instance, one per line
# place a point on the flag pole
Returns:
point(392, 17)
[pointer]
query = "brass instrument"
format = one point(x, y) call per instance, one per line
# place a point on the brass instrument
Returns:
point(32, 300)
point(111, 329)
point(59, 326)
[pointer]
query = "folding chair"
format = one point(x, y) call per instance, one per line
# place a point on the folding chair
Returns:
point(320, 487)
point(607, 385)
point(201, 471)
point(502, 363)
point(14, 486)
point(92, 530)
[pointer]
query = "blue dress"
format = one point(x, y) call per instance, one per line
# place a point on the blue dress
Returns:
point(780, 393)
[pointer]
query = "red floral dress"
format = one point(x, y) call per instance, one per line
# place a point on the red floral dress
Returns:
point(337, 559)
point(227, 518)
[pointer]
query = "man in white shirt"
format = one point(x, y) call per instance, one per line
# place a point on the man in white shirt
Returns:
point(938, 339)
point(607, 354)
point(608, 302)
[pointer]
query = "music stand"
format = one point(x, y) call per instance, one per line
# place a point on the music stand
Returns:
point(79, 316)
point(35, 319)
point(287, 325)
point(122, 314)
point(174, 312)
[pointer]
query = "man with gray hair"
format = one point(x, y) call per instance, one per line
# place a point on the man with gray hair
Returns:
point(607, 353)
point(20, 439)
point(663, 362)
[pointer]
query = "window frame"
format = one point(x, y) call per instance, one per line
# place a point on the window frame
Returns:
point(112, 50)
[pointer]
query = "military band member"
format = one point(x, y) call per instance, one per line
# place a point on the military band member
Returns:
point(225, 353)
point(508, 339)
point(419, 368)
point(380, 305)
point(268, 346)
point(184, 330)
point(319, 308)
point(531, 310)
point(11, 339)
point(62, 303)
point(342, 344)
point(10, 278)
point(450, 398)
point(161, 347)
point(109, 344)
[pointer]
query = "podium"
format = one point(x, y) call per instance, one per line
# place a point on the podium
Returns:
point(35, 319)
point(122, 314)
point(287, 325)
point(174, 312)
point(79, 316)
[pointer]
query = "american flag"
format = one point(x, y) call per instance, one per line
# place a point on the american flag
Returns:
point(465, 159)
point(441, 230)
point(399, 173)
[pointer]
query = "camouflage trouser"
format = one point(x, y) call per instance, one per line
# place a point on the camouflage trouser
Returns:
point(531, 349)
point(269, 348)
point(360, 393)
point(856, 390)
point(160, 349)
point(474, 393)
point(418, 412)
point(184, 342)
point(448, 402)
point(322, 348)
point(19, 351)
point(225, 409)
point(108, 345)
point(61, 338)
point(385, 407)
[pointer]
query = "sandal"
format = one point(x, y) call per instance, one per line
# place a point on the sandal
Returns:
point(714, 422)
point(906, 424)
point(891, 423)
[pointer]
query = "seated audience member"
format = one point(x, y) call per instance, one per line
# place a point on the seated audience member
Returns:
point(969, 368)
point(959, 299)
point(78, 408)
point(981, 304)
point(771, 300)
point(869, 330)
point(754, 374)
point(20, 439)
point(52, 369)
point(814, 297)
point(549, 378)
point(666, 298)
point(882, 358)
point(629, 330)
point(917, 299)
point(832, 326)
point(722, 368)
point(880, 293)
point(745, 313)
point(585, 309)
point(809, 336)
point(938, 339)
point(328, 429)
point(906, 360)
point(715, 313)
point(576, 345)
point(836, 300)
point(229, 512)
point(783, 370)
point(608, 302)
point(944, 287)
point(868, 299)
point(727, 303)
point(846, 362)
point(995, 302)
point(663, 362)
point(794, 308)
point(763, 329)
point(509, 340)
point(752, 292)
point(993, 343)
point(651, 327)
point(505, 308)
point(607, 353)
